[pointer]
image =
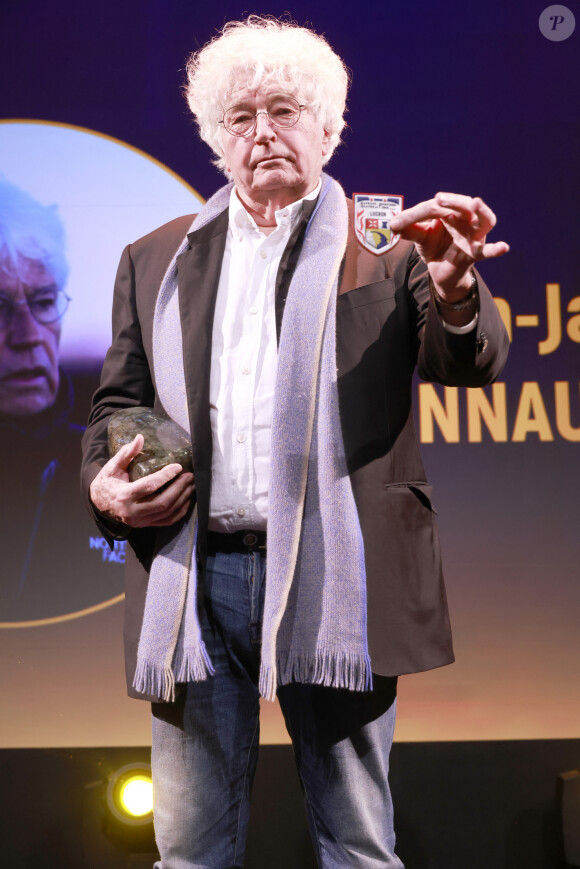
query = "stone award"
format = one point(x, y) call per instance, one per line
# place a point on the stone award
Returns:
point(165, 441)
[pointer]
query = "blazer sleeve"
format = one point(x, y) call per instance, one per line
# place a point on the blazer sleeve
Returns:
point(472, 359)
point(125, 382)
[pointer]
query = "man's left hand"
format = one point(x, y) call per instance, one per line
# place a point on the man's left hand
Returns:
point(450, 233)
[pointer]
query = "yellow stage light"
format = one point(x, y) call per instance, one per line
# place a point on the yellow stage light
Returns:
point(130, 794)
point(136, 796)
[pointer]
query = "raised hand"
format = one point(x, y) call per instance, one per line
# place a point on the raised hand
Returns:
point(450, 234)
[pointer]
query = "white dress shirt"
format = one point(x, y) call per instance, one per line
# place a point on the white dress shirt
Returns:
point(243, 367)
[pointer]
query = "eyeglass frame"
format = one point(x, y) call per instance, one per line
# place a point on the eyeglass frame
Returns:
point(263, 112)
point(28, 300)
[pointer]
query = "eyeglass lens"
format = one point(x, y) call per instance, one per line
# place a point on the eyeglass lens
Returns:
point(282, 112)
point(47, 305)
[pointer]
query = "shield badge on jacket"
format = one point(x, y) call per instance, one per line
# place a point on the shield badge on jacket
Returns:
point(372, 220)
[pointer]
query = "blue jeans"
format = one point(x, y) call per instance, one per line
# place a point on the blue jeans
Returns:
point(205, 745)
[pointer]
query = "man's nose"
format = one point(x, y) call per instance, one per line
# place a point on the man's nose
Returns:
point(265, 130)
point(24, 330)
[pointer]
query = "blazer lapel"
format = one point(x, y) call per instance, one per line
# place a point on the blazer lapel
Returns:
point(198, 273)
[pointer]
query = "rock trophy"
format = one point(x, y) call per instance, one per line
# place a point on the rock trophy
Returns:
point(165, 441)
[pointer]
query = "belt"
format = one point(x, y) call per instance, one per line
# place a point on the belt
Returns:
point(239, 541)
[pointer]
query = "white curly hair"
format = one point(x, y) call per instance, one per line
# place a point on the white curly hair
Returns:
point(30, 231)
point(260, 51)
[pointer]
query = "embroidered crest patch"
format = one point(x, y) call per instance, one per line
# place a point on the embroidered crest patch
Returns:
point(372, 220)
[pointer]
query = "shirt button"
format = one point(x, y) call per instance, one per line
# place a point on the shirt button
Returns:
point(241, 437)
point(246, 370)
point(254, 309)
point(263, 254)
point(241, 511)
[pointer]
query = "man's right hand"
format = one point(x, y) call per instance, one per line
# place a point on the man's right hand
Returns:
point(140, 504)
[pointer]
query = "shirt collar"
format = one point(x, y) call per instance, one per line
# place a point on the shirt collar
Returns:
point(242, 221)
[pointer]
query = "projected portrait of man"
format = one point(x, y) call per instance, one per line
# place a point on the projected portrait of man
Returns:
point(43, 539)
point(32, 304)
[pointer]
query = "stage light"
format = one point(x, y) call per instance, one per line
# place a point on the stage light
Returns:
point(117, 817)
point(136, 796)
point(130, 794)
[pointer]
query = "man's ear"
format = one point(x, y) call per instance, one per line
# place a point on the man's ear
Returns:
point(326, 137)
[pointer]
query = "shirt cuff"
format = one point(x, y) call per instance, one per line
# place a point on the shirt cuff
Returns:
point(461, 330)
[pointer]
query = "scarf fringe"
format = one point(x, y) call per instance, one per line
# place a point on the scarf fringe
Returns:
point(267, 682)
point(333, 669)
point(194, 666)
point(154, 680)
point(159, 681)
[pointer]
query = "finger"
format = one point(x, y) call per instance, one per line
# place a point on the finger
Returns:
point(422, 211)
point(125, 455)
point(162, 498)
point(495, 249)
point(459, 201)
point(169, 520)
point(474, 209)
point(483, 221)
point(165, 507)
point(148, 486)
point(417, 232)
point(175, 512)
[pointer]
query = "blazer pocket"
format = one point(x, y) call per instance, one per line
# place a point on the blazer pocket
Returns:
point(422, 491)
point(410, 547)
point(370, 294)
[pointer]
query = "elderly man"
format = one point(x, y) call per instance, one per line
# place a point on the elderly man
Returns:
point(284, 339)
point(44, 538)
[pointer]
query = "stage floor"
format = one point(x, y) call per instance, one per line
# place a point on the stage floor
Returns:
point(469, 805)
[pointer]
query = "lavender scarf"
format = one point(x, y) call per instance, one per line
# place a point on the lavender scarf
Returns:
point(314, 627)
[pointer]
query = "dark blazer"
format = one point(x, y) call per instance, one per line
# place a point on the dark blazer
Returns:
point(386, 327)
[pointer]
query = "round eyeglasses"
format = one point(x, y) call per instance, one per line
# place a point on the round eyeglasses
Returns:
point(282, 112)
point(47, 305)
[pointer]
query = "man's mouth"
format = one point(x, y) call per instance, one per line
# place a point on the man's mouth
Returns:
point(25, 376)
point(271, 159)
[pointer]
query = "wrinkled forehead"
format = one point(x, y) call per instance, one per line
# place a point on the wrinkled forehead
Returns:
point(249, 87)
point(18, 269)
